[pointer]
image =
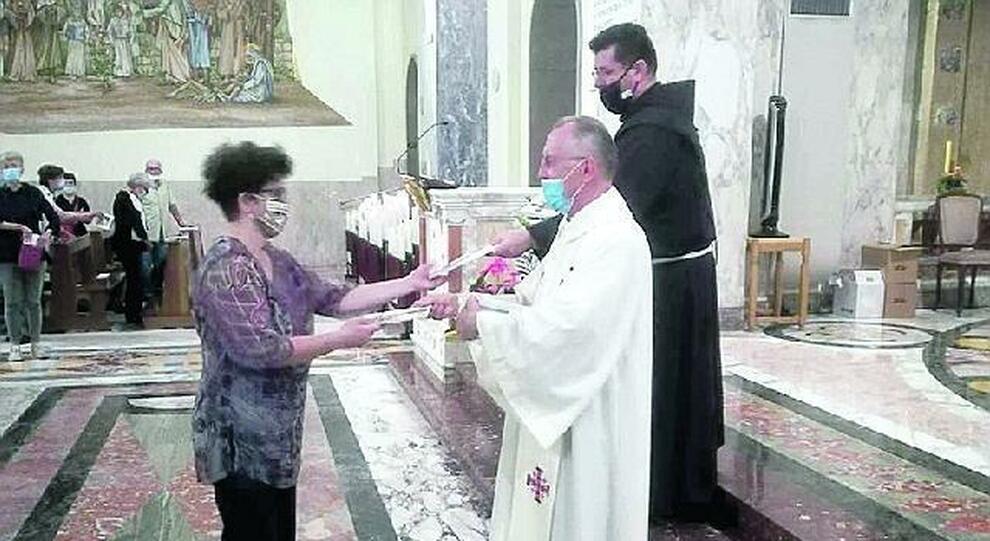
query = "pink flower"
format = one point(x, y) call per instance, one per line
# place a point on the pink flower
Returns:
point(498, 276)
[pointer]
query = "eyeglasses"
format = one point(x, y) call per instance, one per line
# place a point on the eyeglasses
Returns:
point(549, 161)
point(274, 193)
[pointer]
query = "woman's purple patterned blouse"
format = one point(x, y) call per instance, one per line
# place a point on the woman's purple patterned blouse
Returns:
point(249, 409)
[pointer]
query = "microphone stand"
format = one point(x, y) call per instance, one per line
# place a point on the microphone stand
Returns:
point(415, 144)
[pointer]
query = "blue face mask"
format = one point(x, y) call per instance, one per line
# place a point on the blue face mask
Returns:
point(554, 195)
point(10, 175)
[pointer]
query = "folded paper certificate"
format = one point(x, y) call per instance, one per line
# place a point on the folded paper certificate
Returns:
point(401, 316)
point(463, 260)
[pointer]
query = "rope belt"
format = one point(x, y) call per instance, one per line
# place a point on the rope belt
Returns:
point(684, 257)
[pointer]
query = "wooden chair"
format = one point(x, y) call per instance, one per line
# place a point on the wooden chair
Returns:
point(958, 219)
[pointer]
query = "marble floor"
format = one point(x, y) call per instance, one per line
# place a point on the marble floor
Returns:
point(99, 447)
point(862, 430)
point(839, 430)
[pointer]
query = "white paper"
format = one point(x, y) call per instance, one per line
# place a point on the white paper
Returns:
point(401, 315)
point(102, 221)
point(463, 260)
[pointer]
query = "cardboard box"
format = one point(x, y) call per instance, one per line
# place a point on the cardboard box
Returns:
point(898, 264)
point(859, 294)
point(900, 300)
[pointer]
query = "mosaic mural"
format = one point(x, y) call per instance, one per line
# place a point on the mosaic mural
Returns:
point(92, 65)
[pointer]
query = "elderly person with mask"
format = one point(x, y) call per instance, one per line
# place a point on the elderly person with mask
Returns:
point(129, 241)
point(254, 306)
point(22, 209)
point(158, 205)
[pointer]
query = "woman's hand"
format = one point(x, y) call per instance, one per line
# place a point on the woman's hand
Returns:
point(441, 306)
point(355, 333)
point(419, 280)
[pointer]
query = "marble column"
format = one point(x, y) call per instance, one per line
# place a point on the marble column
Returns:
point(462, 91)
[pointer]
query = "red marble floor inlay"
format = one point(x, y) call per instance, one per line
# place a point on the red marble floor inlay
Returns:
point(196, 502)
point(121, 482)
point(321, 508)
point(26, 476)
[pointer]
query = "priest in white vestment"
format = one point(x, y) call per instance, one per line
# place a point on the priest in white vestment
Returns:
point(569, 359)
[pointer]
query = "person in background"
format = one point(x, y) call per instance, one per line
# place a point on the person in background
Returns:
point(157, 203)
point(254, 306)
point(51, 179)
point(69, 201)
point(22, 210)
point(130, 241)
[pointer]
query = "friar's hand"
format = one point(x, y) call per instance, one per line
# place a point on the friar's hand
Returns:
point(441, 306)
point(467, 320)
point(512, 243)
point(419, 280)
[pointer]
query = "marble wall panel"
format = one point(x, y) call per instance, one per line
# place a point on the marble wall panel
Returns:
point(879, 124)
point(462, 91)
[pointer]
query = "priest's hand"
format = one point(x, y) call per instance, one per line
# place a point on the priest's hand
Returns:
point(467, 320)
point(512, 243)
point(441, 306)
point(419, 280)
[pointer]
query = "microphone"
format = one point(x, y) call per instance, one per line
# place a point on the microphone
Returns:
point(415, 144)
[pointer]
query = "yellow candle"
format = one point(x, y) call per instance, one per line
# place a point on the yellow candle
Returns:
point(948, 157)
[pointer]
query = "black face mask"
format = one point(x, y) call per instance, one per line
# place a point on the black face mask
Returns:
point(614, 98)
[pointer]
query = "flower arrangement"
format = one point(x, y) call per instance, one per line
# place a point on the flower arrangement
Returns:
point(498, 276)
point(952, 184)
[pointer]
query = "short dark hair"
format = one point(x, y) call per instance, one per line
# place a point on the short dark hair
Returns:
point(69, 176)
point(631, 44)
point(48, 173)
point(242, 168)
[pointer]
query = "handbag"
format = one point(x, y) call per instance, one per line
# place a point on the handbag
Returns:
point(31, 254)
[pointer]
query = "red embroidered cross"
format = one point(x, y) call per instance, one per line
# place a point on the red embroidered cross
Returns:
point(538, 485)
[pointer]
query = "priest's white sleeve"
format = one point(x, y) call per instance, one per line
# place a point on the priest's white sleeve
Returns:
point(550, 357)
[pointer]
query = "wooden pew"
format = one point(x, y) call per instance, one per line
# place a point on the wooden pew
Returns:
point(78, 271)
point(176, 309)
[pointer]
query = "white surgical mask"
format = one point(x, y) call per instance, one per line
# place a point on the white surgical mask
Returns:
point(272, 221)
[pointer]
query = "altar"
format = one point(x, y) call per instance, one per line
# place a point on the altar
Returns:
point(388, 234)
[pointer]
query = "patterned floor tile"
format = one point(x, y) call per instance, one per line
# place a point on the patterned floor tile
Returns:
point(119, 485)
